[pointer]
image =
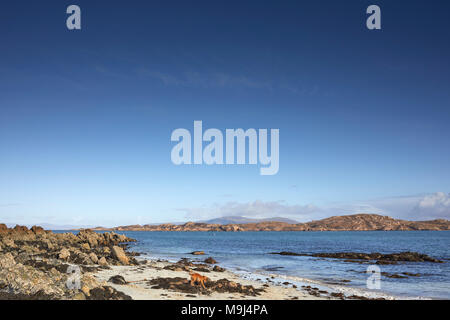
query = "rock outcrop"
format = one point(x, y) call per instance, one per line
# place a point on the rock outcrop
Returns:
point(210, 260)
point(378, 258)
point(39, 264)
point(198, 253)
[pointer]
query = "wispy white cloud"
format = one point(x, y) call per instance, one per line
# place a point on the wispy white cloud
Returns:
point(414, 207)
point(255, 209)
point(223, 80)
point(206, 80)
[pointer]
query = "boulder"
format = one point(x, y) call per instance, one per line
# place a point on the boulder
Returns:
point(86, 291)
point(117, 279)
point(218, 269)
point(79, 296)
point(93, 257)
point(20, 229)
point(210, 260)
point(9, 243)
point(64, 254)
point(102, 261)
point(3, 228)
point(120, 255)
point(37, 229)
point(81, 258)
point(88, 283)
point(48, 244)
point(7, 260)
point(196, 253)
point(107, 293)
point(89, 236)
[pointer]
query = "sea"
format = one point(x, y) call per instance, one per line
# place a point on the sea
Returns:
point(249, 254)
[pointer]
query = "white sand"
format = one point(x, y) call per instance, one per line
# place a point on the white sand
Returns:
point(138, 289)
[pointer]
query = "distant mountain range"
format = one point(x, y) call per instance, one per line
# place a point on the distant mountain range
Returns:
point(356, 222)
point(244, 220)
point(221, 220)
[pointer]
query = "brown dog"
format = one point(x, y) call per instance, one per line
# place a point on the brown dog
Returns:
point(198, 278)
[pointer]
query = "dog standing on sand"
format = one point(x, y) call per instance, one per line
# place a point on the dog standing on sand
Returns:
point(198, 278)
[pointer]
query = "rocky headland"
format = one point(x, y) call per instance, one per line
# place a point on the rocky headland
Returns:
point(357, 222)
point(40, 264)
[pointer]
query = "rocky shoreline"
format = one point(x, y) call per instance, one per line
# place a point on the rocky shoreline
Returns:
point(40, 264)
point(375, 257)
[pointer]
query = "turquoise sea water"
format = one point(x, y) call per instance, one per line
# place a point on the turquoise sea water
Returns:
point(248, 253)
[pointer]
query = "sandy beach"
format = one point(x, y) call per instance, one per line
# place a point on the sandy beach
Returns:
point(139, 288)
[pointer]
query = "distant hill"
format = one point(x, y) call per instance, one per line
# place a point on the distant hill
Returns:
point(356, 222)
point(49, 226)
point(244, 220)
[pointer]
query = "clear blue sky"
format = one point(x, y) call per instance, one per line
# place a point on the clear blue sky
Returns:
point(86, 116)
